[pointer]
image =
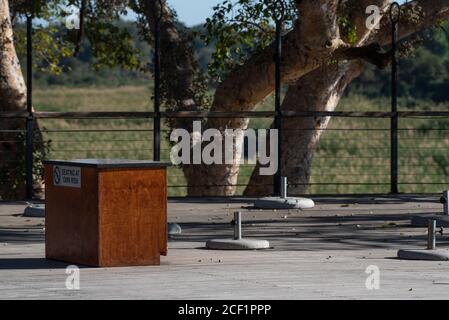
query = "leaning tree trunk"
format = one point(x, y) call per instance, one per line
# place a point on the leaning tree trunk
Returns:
point(12, 83)
point(320, 90)
point(13, 101)
point(313, 41)
point(181, 83)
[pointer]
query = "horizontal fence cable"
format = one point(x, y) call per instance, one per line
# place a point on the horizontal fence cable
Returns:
point(209, 114)
point(351, 155)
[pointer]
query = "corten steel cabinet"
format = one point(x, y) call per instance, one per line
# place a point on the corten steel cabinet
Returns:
point(106, 213)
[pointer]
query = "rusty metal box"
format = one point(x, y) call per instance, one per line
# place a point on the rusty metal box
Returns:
point(106, 213)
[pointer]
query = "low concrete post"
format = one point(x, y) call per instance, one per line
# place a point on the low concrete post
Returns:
point(283, 201)
point(429, 254)
point(284, 190)
point(238, 242)
point(237, 226)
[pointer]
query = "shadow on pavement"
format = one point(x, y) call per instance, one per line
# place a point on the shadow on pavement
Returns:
point(31, 264)
point(21, 235)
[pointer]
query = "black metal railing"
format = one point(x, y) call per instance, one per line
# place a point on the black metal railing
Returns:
point(353, 156)
point(373, 159)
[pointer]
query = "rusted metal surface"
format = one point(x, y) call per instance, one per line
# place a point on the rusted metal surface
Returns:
point(118, 217)
point(72, 220)
point(133, 216)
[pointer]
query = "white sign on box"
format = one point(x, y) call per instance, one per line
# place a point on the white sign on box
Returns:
point(67, 176)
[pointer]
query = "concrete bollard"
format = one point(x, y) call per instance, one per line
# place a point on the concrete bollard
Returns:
point(429, 254)
point(284, 189)
point(237, 226)
point(284, 202)
point(238, 242)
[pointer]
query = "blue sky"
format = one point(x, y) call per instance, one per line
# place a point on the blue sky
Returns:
point(193, 12)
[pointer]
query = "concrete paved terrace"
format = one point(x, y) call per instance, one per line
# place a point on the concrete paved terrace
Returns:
point(322, 253)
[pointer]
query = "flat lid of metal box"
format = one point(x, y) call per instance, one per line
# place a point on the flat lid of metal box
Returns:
point(109, 163)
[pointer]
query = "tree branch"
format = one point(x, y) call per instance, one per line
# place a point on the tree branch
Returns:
point(371, 53)
point(81, 29)
point(416, 16)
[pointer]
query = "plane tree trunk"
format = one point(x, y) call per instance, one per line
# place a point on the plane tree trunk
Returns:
point(320, 90)
point(12, 100)
point(308, 48)
point(13, 96)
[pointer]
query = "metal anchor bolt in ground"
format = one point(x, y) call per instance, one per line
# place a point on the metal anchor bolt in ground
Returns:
point(238, 243)
point(431, 253)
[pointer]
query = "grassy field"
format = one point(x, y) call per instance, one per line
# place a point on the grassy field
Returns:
point(353, 156)
point(64, 99)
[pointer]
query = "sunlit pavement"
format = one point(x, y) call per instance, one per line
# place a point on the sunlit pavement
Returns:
point(323, 253)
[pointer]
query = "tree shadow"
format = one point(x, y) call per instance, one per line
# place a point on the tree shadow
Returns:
point(32, 264)
point(22, 235)
point(320, 233)
point(377, 199)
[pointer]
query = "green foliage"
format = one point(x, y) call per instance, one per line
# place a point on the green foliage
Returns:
point(233, 33)
point(86, 70)
point(348, 29)
point(111, 42)
point(48, 47)
point(423, 75)
point(238, 28)
point(112, 46)
point(14, 174)
point(441, 159)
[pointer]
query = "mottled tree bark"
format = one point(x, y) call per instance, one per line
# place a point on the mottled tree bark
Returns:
point(307, 49)
point(319, 90)
point(12, 84)
point(315, 37)
point(322, 89)
point(12, 100)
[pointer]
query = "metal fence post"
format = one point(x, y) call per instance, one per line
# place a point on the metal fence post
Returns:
point(157, 88)
point(279, 17)
point(431, 233)
point(446, 203)
point(395, 12)
point(30, 117)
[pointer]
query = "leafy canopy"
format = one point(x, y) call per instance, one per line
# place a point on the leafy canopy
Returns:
point(237, 28)
point(52, 41)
